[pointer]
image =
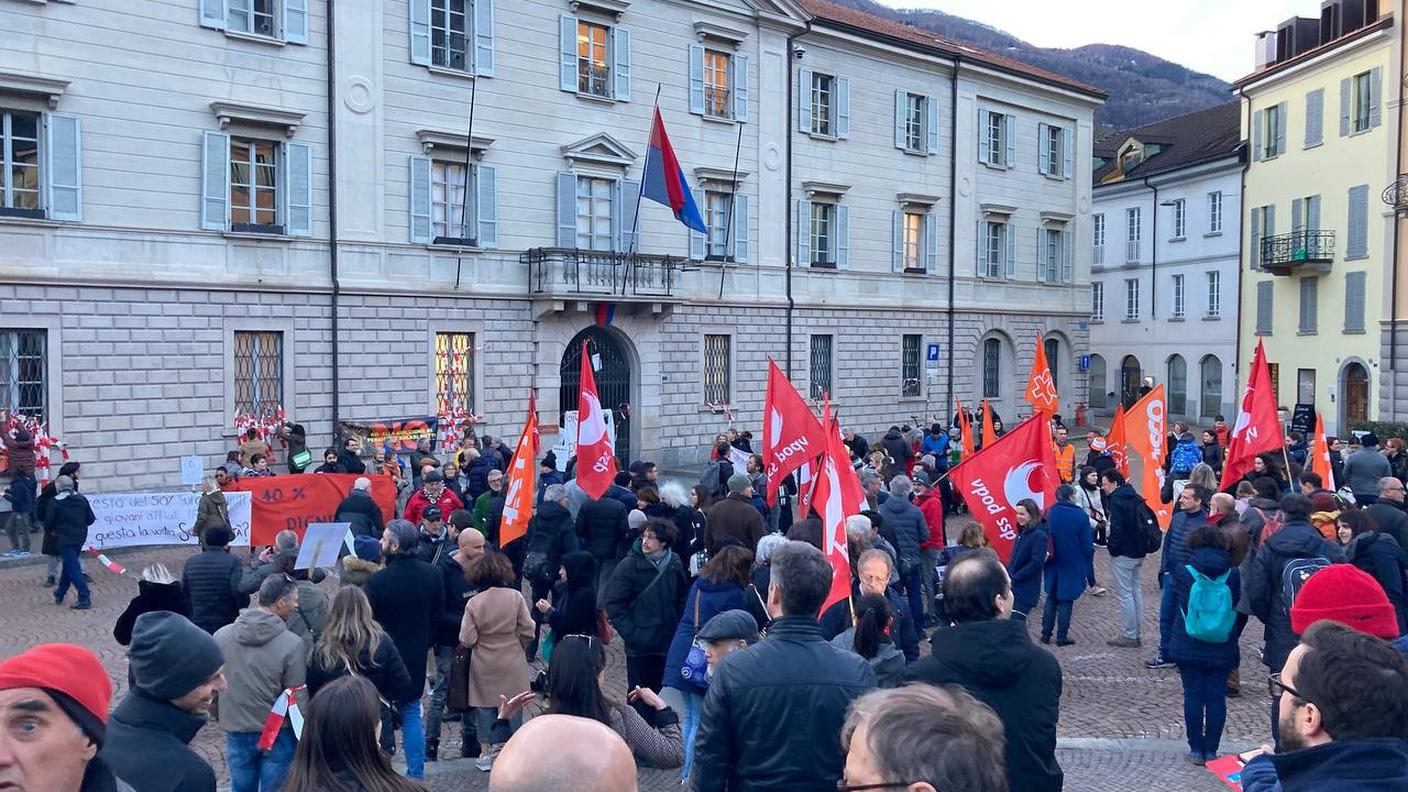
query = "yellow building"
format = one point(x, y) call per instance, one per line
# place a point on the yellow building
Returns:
point(1317, 237)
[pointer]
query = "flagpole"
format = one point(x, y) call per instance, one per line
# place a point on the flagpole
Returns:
point(640, 195)
point(728, 229)
point(464, 199)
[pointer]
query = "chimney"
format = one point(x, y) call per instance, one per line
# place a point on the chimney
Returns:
point(1265, 49)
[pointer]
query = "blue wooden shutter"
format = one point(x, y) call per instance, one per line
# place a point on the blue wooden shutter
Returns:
point(697, 243)
point(740, 88)
point(486, 203)
point(1357, 245)
point(484, 38)
point(897, 241)
point(624, 213)
point(1043, 266)
point(931, 123)
point(237, 15)
point(984, 142)
point(931, 243)
point(621, 69)
point(215, 182)
point(1354, 302)
point(696, 79)
point(298, 161)
point(1296, 214)
point(1009, 235)
point(981, 249)
point(804, 100)
point(64, 167)
point(1256, 238)
point(212, 14)
point(420, 32)
point(566, 210)
point(843, 236)
point(1068, 140)
point(296, 21)
point(420, 226)
point(843, 107)
point(1257, 148)
point(740, 229)
point(1312, 213)
point(901, 99)
point(1344, 107)
point(1043, 150)
point(1067, 263)
point(1280, 132)
point(566, 58)
point(1263, 306)
point(804, 233)
point(1376, 95)
point(1009, 137)
point(1314, 117)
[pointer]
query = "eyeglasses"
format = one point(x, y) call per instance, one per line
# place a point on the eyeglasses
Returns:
point(1276, 687)
point(842, 786)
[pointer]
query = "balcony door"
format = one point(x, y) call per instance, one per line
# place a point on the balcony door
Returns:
point(612, 367)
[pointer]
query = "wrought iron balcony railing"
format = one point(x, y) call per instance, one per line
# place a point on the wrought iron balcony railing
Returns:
point(1283, 253)
point(570, 272)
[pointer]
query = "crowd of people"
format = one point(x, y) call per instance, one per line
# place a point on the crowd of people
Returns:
point(928, 677)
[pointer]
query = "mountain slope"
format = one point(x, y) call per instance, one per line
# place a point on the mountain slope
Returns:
point(1143, 88)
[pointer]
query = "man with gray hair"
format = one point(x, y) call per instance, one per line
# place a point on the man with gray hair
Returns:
point(923, 739)
point(550, 536)
point(874, 574)
point(360, 511)
point(907, 523)
point(773, 710)
point(278, 558)
point(1387, 512)
point(874, 487)
point(407, 598)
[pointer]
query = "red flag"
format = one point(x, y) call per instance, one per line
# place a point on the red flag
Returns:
point(1321, 463)
point(965, 431)
point(1144, 425)
point(836, 496)
point(1116, 444)
point(522, 480)
point(791, 434)
point(989, 431)
point(1041, 388)
point(1017, 465)
point(596, 463)
point(1258, 429)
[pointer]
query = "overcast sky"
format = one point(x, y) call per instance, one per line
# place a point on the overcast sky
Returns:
point(1212, 36)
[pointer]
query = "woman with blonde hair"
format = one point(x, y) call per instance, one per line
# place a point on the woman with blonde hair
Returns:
point(353, 644)
point(158, 590)
point(211, 508)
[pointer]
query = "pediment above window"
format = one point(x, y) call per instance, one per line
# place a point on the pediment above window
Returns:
point(718, 176)
point(706, 30)
point(435, 140)
point(1056, 218)
point(611, 8)
point(815, 189)
point(917, 199)
point(1004, 210)
point(228, 113)
point(31, 86)
point(599, 149)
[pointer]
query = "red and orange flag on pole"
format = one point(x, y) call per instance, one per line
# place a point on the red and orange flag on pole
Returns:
point(1321, 463)
point(965, 430)
point(989, 431)
point(1041, 386)
point(522, 480)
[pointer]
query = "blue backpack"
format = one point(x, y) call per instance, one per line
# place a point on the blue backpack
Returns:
point(1186, 456)
point(1210, 614)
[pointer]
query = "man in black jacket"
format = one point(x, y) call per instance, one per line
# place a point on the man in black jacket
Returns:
point(458, 590)
point(644, 599)
point(408, 599)
point(360, 510)
point(1387, 511)
point(211, 579)
point(773, 712)
point(993, 658)
point(350, 460)
point(601, 525)
point(1125, 510)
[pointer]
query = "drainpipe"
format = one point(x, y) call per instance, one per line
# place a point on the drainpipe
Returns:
point(332, 208)
point(1154, 255)
point(1241, 252)
point(952, 217)
point(788, 213)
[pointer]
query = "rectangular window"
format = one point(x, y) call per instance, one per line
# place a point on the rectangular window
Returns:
point(1097, 302)
point(718, 350)
point(1178, 297)
point(259, 371)
point(24, 373)
point(20, 187)
point(253, 16)
point(1133, 232)
point(716, 211)
point(454, 372)
point(994, 249)
point(717, 70)
point(594, 212)
point(1214, 293)
point(1264, 295)
point(254, 179)
point(914, 132)
point(1274, 124)
point(1131, 299)
point(824, 233)
point(1051, 253)
point(1098, 237)
point(1215, 212)
point(1180, 219)
point(593, 59)
point(1362, 101)
point(1305, 386)
point(1309, 304)
point(992, 362)
point(820, 365)
point(997, 138)
point(910, 384)
point(448, 34)
point(1055, 154)
point(823, 91)
point(912, 251)
point(449, 188)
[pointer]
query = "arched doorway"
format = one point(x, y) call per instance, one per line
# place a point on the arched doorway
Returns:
point(1096, 380)
point(1211, 387)
point(1355, 394)
point(1177, 385)
point(1131, 377)
point(613, 382)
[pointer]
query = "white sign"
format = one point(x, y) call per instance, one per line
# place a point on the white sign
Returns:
point(137, 519)
point(192, 469)
point(566, 447)
point(321, 544)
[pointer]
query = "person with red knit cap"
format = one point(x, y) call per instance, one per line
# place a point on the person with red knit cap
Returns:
point(1348, 595)
point(59, 694)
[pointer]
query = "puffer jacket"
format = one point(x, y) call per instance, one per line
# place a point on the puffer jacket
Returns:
point(773, 712)
point(1175, 550)
point(212, 582)
point(1028, 563)
point(355, 571)
point(910, 528)
point(1381, 556)
point(477, 477)
point(1212, 562)
point(643, 609)
point(601, 525)
point(69, 517)
point(262, 659)
point(712, 599)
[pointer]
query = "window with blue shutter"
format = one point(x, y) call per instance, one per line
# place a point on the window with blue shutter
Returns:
point(1043, 145)
point(804, 100)
point(621, 64)
point(1042, 262)
point(1009, 139)
point(740, 229)
point(296, 21)
point(843, 107)
point(740, 88)
point(1258, 147)
point(215, 182)
point(1309, 304)
point(298, 161)
point(281, 20)
point(1263, 307)
point(594, 59)
point(420, 227)
point(804, 233)
point(1354, 302)
point(484, 37)
point(843, 236)
point(931, 243)
point(1067, 262)
point(1314, 118)
point(901, 125)
point(624, 213)
point(566, 210)
point(1009, 256)
point(63, 168)
point(931, 124)
point(486, 203)
point(1357, 234)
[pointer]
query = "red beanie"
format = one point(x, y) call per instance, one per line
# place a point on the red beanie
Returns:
point(1348, 595)
point(71, 670)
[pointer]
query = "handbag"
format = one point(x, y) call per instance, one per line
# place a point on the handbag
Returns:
point(695, 668)
point(457, 691)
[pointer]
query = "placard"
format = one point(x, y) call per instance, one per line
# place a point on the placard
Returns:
point(137, 519)
point(1303, 419)
point(321, 544)
point(566, 447)
point(192, 470)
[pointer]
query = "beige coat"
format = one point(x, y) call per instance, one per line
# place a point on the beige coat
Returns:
point(496, 627)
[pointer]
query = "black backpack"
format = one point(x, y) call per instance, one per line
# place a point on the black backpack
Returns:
point(1149, 524)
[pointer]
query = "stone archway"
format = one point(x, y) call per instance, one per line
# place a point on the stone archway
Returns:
point(614, 379)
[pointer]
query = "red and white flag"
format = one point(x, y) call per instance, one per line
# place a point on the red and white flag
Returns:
point(1258, 429)
point(837, 495)
point(1321, 463)
point(112, 565)
point(791, 434)
point(596, 461)
point(1017, 466)
point(285, 708)
point(1041, 387)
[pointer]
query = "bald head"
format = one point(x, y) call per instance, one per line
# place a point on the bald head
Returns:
point(555, 752)
point(1222, 503)
point(471, 542)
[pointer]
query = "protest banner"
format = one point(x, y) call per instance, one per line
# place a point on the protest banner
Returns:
point(321, 544)
point(293, 502)
point(1018, 466)
point(401, 434)
point(137, 519)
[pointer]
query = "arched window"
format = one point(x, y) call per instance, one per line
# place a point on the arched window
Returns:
point(1212, 386)
point(1096, 379)
point(1177, 385)
point(1053, 360)
point(992, 365)
point(1130, 380)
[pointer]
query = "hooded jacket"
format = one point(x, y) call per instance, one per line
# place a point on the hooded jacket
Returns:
point(477, 476)
point(573, 610)
point(262, 659)
point(897, 447)
point(910, 529)
point(151, 597)
point(550, 533)
point(997, 663)
point(19, 449)
point(1377, 765)
point(148, 746)
point(69, 518)
point(211, 579)
point(1126, 537)
point(888, 662)
point(1183, 650)
point(416, 506)
point(1295, 540)
point(1381, 556)
point(644, 609)
point(713, 599)
point(355, 571)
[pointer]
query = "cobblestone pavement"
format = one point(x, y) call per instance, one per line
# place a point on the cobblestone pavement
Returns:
point(1121, 724)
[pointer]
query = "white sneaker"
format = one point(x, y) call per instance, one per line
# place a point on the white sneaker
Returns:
point(1098, 591)
point(485, 762)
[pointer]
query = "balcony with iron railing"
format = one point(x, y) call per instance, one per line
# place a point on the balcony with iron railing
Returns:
point(1298, 251)
point(576, 274)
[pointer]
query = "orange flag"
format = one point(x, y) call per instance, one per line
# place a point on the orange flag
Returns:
point(1116, 444)
point(989, 433)
point(522, 480)
point(965, 431)
point(1321, 463)
point(1041, 387)
point(1146, 433)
